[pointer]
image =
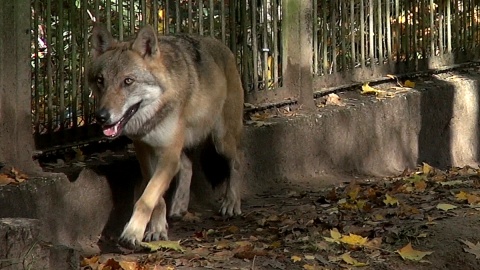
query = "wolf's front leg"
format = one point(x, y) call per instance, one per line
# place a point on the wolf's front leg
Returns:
point(158, 226)
point(151, 205)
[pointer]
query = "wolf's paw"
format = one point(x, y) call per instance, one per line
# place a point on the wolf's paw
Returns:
point(131, 236)
point(230, 206)
point(156, 232)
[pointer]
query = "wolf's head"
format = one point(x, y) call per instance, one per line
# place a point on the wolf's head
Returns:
point(121, 78)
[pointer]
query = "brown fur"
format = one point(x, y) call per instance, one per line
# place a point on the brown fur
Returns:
point(168, 94)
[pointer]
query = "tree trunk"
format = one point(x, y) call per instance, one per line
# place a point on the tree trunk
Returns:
point(16, 140)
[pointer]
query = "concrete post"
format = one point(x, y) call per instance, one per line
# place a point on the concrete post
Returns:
point(16, 140)
point(298, 50)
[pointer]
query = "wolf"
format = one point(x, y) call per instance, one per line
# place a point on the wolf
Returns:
point(169, 94)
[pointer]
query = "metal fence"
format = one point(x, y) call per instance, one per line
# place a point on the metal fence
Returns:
point(349, 41)
point(360, 39)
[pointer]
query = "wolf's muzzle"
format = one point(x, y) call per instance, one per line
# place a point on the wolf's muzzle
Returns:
point(102, 116)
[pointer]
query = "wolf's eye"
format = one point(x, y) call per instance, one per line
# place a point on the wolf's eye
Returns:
point(128, 81)
point(100, 81)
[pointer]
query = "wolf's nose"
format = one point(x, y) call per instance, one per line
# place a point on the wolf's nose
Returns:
point(102, 116)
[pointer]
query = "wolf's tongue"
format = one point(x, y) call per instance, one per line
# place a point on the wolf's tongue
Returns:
point(111, 131)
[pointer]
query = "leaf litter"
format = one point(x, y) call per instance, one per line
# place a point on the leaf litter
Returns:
point(366, 223)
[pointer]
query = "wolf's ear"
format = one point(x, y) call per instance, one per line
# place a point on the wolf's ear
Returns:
point(146, 42)
point(102, 40)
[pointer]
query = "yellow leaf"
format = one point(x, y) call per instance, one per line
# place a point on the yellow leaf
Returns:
point(156, 245)
point(352, 261)
point(461, 196)
point(308, 267)
point(446, 206)
point(390, 200)
point(335, 236)
point(353, 191)
point(296, 258)
point(128, 265)
point(409, 83)
point(427, 169)
point(408, 253)
point(367, 89)
point(473, 199)
point(354, 240)
point(309, 257)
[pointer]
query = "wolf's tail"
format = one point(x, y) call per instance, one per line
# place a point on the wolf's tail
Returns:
point(215, 166)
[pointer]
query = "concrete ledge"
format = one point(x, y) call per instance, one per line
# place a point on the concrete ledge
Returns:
point(436, 123)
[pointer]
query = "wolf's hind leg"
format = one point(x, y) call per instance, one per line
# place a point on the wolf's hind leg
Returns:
point(227, 147)
point(181, 194)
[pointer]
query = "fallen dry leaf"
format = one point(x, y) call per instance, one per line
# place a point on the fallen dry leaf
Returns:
point(408, 253)
point(334, 99)
point(409, 83)
point(295, 258)
point(390, 200)
point(446, 206)
point(354, 240)
point(157, 245)
point(352, 261)
point(472, 248)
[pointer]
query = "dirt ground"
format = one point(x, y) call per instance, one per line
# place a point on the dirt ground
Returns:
point(362, 223)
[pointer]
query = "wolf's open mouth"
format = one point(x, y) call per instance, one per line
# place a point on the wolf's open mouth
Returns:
point(115, 130)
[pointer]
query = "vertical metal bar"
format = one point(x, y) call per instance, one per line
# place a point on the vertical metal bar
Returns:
point(275, 37)
point(132, 17)
point(97, 9)
point(166, 18)
point(352, 32)
point(120, 20)
point(423, 27)
point(253, 9)
point(371, 41)
point(211, 16)
point(61, 65)
point(144, 12)
point(155, 15)
point(333, 33)
point(200, 17)
point(324, 31)
point(398, 30)
point(178, 18)
point(362, 33)
point(86, 93)
point(232, 8)
point(315, 37)
point(432, 29)
point(108, 17)
point(380, 34)
point(190, 16)
point(265, 47)
point(441, 31)
point(414, 34)
point(244, 49)
point(449, 27)
point(471, 7)
point(74, 65)
point(408, 33)
point(222, 14)
point(49, 67)
point(343, 33)
point(389, 31)
point(36, 37)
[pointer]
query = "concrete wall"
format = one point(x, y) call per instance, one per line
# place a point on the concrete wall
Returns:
point(436, 123)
